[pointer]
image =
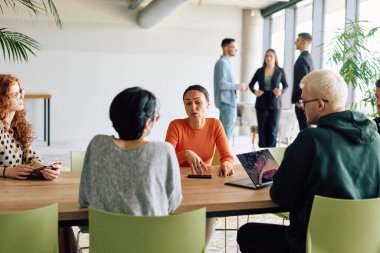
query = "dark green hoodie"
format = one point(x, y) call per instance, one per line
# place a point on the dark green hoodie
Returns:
point(340, 159)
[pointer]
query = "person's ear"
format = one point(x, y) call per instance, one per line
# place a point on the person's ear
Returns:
point(208, 104)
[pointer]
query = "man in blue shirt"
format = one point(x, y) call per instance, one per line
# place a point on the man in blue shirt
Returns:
point(225, 87)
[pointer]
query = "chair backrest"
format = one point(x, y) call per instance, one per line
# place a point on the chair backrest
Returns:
point(216, 158)
point(76, 160)
point(113, 232)
point(277, 153)
point(341, 225)
point(32, 231)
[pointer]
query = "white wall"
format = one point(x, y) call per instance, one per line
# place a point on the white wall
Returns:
point(101, 50)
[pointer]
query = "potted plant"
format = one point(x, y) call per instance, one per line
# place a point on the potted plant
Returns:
point(357, 62)
point(17, 46)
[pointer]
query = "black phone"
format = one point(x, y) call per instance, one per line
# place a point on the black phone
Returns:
point(37, 171)
point(199, 176)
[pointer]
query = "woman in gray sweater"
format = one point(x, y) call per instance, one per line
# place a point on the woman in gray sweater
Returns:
point(130, 174)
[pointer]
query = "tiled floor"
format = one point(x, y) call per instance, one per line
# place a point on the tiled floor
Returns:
point(60, 151)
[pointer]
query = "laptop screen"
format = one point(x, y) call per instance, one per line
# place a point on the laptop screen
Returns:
point(260, 166)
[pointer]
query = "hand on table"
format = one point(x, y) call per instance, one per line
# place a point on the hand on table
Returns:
point(52, 172)
point(226, 170)
point(196, 164)
point(19, 172)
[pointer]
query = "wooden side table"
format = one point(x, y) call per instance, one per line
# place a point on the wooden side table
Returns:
point(46, 97)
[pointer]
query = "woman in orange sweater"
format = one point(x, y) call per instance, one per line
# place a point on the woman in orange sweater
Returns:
point(195, 137)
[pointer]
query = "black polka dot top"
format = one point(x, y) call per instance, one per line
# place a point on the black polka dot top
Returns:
point(11, 153)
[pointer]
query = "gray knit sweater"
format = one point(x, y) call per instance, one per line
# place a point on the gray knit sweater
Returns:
point(138, 181)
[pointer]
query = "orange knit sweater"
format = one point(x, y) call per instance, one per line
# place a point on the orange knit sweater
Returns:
point(200, 141)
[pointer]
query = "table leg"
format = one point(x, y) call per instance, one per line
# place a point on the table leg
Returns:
point(44, 119)
point(48, 122)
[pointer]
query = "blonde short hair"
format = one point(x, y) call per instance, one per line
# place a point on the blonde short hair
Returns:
point(327, 84)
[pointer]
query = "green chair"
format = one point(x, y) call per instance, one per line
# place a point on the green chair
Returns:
point(122, 233)
point(32, 231)
point(278, 155)
point(342, 225)
point(76, 160)
point(76, 163)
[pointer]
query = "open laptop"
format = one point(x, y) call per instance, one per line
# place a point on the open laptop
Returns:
point(260, 167)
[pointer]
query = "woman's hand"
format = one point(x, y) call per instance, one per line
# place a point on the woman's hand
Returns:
point(277, 92)
point(196, 164)
point(226, 170)
point(19, 172)
point(51, 173)
point(259, 93)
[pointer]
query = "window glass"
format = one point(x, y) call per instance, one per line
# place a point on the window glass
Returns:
point(304, 19)
point(334, 19)
point(278, 35)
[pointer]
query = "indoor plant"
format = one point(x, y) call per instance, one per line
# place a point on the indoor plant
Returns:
point(17, 46)
point(357, 62)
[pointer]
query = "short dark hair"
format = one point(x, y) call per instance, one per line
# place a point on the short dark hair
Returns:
point(129, 111)
point(378, 83)
point(227, 41)
point(306, 36)
point(198, 88)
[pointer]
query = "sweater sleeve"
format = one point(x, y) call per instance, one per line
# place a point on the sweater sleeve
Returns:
point(85, 187)
point(174, 189)
point(173, 137)
point(289, 180)
point(222, 144)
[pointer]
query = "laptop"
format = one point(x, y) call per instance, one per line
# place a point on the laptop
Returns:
point(260, 167)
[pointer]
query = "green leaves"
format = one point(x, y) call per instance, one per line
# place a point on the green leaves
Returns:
point(359, 65)
point(17, 46)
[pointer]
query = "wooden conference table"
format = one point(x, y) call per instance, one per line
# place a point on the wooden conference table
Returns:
point(219, 199)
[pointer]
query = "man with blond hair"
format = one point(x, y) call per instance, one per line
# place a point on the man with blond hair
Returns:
point(339, 159)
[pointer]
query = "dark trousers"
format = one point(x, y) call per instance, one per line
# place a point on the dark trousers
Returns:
point(262, 238)
point(268, 124)
point(301, 117)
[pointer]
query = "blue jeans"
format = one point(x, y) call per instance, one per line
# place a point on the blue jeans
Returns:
point(227, 115)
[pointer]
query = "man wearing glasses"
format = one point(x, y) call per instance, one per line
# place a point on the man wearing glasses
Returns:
point(377, 94)
point(339, 159)
point(303, 66)
point(225, 87)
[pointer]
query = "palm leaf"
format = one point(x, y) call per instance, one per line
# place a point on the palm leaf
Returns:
point(16, 46)
point(36, 6)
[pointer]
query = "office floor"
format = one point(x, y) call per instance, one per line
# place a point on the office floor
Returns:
point(60, 151)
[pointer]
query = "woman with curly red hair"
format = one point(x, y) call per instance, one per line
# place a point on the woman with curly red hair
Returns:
point(17, 159)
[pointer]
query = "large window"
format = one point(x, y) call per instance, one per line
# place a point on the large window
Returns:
point(304, 19)
point(334, 19)
point(278, 35)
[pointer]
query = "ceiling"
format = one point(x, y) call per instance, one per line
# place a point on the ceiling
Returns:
point(252, 4)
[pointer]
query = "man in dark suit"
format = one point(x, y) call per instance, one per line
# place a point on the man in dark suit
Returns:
point(303, 66)
point(377, 94)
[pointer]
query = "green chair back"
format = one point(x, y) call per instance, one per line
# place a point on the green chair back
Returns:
point(277, 153)
point(341, 225)
point(77, 159)
point(32, 231)
point(121, 233)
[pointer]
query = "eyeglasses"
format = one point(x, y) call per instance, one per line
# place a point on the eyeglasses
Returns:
point(302, 102)
point(19, 95)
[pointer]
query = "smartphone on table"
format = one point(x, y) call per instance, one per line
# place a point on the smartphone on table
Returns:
point(37, 171)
